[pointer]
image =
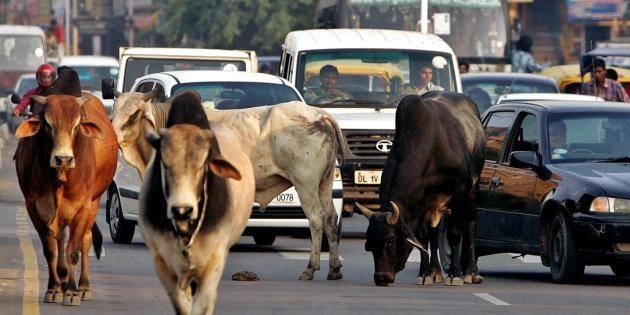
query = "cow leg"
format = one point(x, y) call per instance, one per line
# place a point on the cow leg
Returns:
point(81, 224)
point(313, 212)
point(180, 300)
point(330, 226)
point(454, 240)
point(85, 290)
point(424, 276)
point(62, 265)
point(205, 298)
point(436, 270)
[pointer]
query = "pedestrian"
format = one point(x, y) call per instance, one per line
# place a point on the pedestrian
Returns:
point(599, 85)
point(522, 59)
point(464, 67)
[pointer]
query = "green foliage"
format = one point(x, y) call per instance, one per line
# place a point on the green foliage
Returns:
point(259, 25)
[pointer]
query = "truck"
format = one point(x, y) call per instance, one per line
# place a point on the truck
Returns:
point(23, 50)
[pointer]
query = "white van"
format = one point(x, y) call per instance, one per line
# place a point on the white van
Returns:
point(92, 70)
point(136, 62)
point(375, 69)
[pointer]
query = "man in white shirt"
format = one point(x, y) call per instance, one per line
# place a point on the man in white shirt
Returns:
point(425, 84)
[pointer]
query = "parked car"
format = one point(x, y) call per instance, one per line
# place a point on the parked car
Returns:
point(219, 90)
point(92, 70)
point(486, 88)
point(556, 184)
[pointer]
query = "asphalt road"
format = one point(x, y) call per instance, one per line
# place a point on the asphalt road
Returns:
point(124, 281)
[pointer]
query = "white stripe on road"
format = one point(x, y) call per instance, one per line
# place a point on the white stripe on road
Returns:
point(491, 299)
point(30, 305)
point(303, 256)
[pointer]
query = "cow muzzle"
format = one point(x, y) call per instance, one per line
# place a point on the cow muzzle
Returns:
point(181, 212)
point(384, 279)
point(62, 161)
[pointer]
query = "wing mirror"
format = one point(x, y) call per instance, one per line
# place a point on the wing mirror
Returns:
point(15, 99)
point(524, 159)
point(108, 88)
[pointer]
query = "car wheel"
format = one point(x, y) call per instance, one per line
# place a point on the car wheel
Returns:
point(325, 246)
point(265, 239)
point(120, 229)
point(444, 248)
point(564, 262)
point(621, 270)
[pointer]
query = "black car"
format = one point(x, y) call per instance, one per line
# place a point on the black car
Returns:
point(556, 183)
point(486, 88)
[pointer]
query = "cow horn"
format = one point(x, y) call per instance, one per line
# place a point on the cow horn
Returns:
point(149, 95)
point(363, 210)
point(392, 217)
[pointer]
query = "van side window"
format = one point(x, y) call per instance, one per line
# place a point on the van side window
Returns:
point(497, 130)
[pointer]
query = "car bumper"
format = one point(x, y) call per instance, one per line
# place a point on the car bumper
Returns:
point(603, 239)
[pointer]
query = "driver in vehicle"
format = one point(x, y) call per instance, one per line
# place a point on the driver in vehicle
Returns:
point(328, 91)
point(557, 139)
point(425, 84)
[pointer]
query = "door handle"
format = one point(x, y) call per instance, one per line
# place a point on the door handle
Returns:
point(494, 182)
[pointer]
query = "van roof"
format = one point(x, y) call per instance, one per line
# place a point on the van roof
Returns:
point(319, 39)
point(7, 29)
point(187, 52)
point(88, 61)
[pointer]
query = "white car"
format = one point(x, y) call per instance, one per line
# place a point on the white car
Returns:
point(24, 83)
point(220, 90)
point(91, 70)
point(525, 97)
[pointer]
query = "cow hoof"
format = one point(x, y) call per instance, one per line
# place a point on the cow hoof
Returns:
point(71, 298)
point(335, 275)
point(307, 275)
point(424, 280)
point(53, 297)
point(437, 278)
point(454, 281)
point(86, 294)
point(473, 278)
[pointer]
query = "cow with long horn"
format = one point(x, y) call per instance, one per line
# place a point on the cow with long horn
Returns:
point(432, 169)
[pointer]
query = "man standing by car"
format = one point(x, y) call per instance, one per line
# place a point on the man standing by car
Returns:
point(328, 91)
point(603, 87)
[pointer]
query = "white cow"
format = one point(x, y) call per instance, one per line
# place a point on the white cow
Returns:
point(290, 144)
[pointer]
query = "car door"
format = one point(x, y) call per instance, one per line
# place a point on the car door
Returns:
point(490, 218)
point(514, 185)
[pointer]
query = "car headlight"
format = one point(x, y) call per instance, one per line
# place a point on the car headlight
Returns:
point(607, 204)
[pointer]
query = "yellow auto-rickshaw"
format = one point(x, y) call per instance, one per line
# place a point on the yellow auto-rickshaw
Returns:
point(568, 77)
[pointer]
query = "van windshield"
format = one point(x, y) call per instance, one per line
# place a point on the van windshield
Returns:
point(364, 78)
point(21, 52)
point(239, 95)
point(138, 67)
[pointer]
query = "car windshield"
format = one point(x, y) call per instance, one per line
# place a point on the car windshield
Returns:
point(21, 53)
point(589, 137)
point(91, 77)
point(238, 95)
point(371, 78)
point(24, 85)
point(486, 91)
point(138, 67)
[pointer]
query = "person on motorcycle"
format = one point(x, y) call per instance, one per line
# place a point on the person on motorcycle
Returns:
point(45, 76)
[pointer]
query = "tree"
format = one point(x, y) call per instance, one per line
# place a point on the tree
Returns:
point(259, 25)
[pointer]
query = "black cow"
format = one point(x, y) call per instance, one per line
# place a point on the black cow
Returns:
point(433, 168)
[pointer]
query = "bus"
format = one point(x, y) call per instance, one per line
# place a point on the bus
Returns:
point(477, 30)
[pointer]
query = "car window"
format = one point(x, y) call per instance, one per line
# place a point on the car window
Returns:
point(25, 85)
point(238, 95)
point(493, 89)
point(526, 137)
point(497, 130)
point(91, 77)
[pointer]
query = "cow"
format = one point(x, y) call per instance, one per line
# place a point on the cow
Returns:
point(68, 144)
point(433, 168)
point(290, 144)
point(196, 198)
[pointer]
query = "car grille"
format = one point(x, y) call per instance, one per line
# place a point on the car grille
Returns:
point(362, 143)
point(278, 213)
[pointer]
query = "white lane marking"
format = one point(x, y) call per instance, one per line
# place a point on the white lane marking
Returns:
point(528, 259)
point(303, 256)
point(30, 305)
point(491, 299)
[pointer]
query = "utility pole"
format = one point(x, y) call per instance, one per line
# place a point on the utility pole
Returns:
point(424, 16)
point(67, 27)
point(130, 16)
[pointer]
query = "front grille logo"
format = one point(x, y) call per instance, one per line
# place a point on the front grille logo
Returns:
point(384, 145)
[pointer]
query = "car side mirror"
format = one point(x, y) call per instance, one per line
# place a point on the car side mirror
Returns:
point(15, 99)
point(108, 88)
point(524, 159)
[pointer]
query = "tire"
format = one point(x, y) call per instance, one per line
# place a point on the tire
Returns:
point(444, 248)
point(564, 262)
point(264, 239)
point(620, 270)
point(120, 229)
point(325, 246)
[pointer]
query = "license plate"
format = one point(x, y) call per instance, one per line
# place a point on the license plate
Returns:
point(367, 177)
point(286, 198)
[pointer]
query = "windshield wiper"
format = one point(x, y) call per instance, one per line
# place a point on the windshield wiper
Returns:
point(623, 159)
point(357, 102)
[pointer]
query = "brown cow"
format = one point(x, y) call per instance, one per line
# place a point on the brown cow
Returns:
point(62, 171)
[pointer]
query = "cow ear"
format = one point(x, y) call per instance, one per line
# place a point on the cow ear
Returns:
point(28, 128)
point(223, 168)
point(83, 100)
point(153, 139)
point(41, 100)
point(91, 130)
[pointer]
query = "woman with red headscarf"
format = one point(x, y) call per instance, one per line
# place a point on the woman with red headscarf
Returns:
point(45, 76)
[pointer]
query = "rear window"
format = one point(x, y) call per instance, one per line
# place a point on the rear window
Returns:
point(239, 95)
point(486, 91)
point(138, 67)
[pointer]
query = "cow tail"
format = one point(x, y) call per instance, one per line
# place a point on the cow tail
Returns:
point(342, 145)
point(97, 241)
